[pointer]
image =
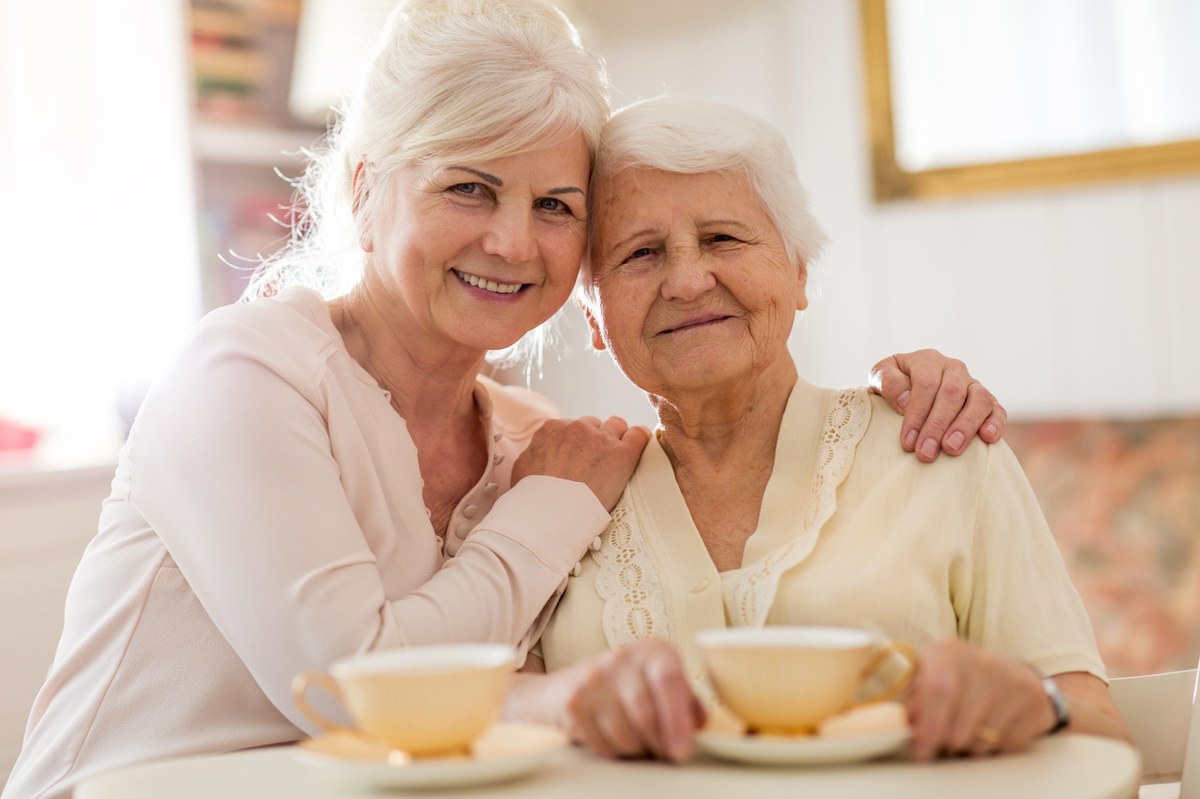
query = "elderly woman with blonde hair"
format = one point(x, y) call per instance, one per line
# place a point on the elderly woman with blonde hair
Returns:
point(764, 500)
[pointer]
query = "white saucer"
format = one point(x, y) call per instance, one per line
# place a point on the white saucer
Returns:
point(504, 752)
point(779, 750)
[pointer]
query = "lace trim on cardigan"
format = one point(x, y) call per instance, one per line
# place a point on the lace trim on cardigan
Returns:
point(749, 592)
point(628, 581)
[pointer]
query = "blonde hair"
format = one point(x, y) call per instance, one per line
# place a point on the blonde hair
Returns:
point(461, 79)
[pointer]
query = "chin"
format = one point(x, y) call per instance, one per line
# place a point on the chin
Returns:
point(493, 343)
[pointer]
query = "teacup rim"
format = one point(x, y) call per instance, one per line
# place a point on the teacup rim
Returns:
point(776, 635)
point(424, 659)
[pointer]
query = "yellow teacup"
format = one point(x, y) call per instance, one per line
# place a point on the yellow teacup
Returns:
point(788, 680)
point(425, 700)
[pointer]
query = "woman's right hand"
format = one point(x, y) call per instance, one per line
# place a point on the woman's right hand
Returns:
point(601, 455)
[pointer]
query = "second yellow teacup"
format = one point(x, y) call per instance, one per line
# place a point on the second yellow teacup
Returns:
point(425, 700)
point(788, 680)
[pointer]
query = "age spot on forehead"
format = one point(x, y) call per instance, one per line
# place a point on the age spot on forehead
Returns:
point(609, 197)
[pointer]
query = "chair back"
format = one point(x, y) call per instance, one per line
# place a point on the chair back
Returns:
point(1160, 711)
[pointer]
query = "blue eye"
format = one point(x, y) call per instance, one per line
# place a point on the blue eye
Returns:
point(552, 204)
point(466, 188)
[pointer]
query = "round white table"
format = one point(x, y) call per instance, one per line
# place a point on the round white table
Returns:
point(1062, 767)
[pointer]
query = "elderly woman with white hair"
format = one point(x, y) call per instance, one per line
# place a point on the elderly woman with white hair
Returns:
point(764, 500)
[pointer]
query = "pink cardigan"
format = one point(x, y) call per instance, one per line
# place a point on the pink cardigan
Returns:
point(267, 518)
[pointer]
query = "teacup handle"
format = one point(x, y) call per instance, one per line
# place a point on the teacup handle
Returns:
point(300, 687)
point(885, 651)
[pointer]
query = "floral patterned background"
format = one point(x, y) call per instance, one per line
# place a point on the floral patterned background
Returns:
point(1123, 500)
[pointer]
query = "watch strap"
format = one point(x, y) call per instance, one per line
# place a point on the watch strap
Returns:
point(1062, 716)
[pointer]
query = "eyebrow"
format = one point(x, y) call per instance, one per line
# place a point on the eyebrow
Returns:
point(718, 222)
point(497, 182)
point(620, 245)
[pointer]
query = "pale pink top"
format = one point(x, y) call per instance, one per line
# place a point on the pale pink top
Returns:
point(267, 518)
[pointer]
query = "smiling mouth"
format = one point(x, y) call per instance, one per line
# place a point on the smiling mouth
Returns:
point(692, 324)
point(489, 285)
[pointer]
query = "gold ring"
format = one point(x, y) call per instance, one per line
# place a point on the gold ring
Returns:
point(989, 735)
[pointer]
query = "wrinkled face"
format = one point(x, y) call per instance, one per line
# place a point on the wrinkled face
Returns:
point(694, 286)
point(479, 253)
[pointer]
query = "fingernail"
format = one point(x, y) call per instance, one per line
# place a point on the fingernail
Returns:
point(956, 439)
point(929, 448)
point(910, 440)
point(902, 400)
point(990, 429)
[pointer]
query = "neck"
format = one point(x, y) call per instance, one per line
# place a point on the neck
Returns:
point(730, 427)
point(429, 385)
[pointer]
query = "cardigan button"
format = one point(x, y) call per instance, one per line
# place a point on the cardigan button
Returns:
point(702, 585)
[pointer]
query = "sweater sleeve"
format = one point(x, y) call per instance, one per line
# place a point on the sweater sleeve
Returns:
point(1021, 599)
point(236, 472)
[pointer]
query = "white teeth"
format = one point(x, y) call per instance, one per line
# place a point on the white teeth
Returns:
point(489, 285)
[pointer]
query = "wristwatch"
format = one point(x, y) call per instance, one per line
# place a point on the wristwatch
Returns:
point(1062, 717)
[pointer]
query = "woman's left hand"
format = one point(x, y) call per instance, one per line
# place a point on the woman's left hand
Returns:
point(634, 701)
point(964, 700)
point(943, 406)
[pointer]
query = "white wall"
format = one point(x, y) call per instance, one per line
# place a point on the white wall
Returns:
point(97, 213)
point(46, 520)
point(1074, 301)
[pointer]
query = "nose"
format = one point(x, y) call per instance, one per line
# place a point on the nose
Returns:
point(687, 276)
point(510, 235)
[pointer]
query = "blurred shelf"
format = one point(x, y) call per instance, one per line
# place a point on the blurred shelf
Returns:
point(24, 472)
point(239, 143)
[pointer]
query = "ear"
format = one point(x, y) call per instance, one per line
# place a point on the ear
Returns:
point(802, 284)
point(358, 186)
point(359, 193)
point(593, 327)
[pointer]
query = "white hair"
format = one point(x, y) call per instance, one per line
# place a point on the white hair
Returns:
point(450, 79)
point(692, 135)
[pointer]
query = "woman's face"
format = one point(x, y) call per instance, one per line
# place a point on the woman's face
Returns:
point(476, 254)
point(694, 286)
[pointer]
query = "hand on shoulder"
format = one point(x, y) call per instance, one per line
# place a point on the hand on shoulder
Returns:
point(601, 455)
point(944, 407)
